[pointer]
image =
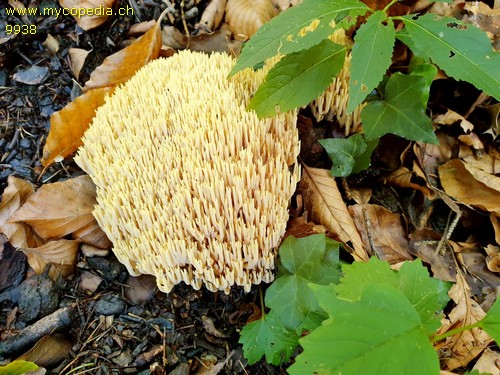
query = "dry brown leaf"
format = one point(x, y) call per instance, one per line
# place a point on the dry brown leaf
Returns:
point(51, 44)
point(50, 350)
point(488, 363)
point(485, 162)
point(140, 289)
point(465, 346)
point(61, 255)
point(459, 183)
point(423, 244)
point(91, 13)
point(218, 41)
point(13, 197)
point(120, 66)
point(486, 178)
point(89, 282)
point(493, 258)
point(212, 16)
point(299, 227)
point(452, 117)
point(68, 125)
point(244, 17)
point(325, 206)
point(472, 140)
point(402, 177)
point(76, 59)
point(381, 231)
point(60, 208)
point(495, 221)
point(140, 28)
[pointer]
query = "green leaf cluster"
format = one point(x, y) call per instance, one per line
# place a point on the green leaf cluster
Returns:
point(307, 261)
point(366, 319)
point(309, 62)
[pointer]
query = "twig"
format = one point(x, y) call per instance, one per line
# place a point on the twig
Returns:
point(56, 321)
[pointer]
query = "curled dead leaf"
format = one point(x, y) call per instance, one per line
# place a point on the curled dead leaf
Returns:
point(68, 125)
point(61, 255)
point(244, 17)
point(325, 206)
point(76, 59)
point(120, 66)
point(62, 208)
point(212, 16)
point(13, 197)
point(466, 345)
point(459, 183)
point(381, 231)
point(89, 14)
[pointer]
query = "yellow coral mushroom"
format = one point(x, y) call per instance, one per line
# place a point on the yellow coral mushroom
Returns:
point(190, 186)
point(333, 102)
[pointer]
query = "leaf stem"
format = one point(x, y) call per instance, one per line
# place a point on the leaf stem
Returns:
point(389, 5)
point(262, 307)
point(455, 331)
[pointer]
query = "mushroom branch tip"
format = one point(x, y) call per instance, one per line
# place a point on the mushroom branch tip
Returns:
point(190, 186)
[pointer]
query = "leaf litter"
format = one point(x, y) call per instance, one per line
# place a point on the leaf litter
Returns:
point(434, 184)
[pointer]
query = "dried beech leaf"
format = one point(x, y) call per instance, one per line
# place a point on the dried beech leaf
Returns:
point(244, 17)
point(325, 206)
point(61, 254)
point(77, 58)
point(452, 117)
point(218, 41)
point(120, 66)
point(465, 346)
point(89, 21)
point(382, 232)
point(140, 289)
point(495, 221)
point(459, 183)
point(49, 350)
point(403, 177)
point(13, 197)
point(60, 208)
point(68, 125)
point(489, 362)
point(51, 44)
point(212, 16)
point(140, 28)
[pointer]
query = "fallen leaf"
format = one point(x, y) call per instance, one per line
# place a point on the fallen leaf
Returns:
point(76, 59)
point(325, 206)
point(218, 41)
point(89, 282)
point(472, 140)
point(140, 28)
point(488, 363)
point(61, 255)
point(60, 208)
point(459, 183)
point(485, 162)
point(35, 75)
point(465, 346)
point(209, 326)
point(475, 264)
point(244, 17)
point(68, 125)
point(402, 177)
point(51, 44)
point(91, 13)
point(140, 289)
point(452, 117)
point(495, 221)
point(120, 66)
point(381, 231)
point(211, 17)
point(493, 258)
point(50, 350)
point(299, 227)
point(423, 244)
point(13, 197)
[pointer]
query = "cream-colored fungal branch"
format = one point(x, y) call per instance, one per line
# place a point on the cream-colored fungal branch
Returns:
point(190, 186)
point(332, 104)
